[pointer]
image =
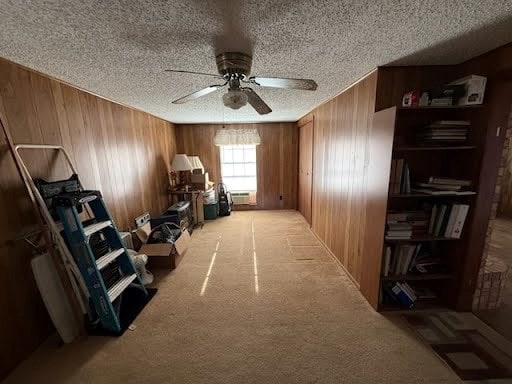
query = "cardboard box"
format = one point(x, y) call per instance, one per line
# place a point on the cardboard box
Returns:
point(200, 180)
point(475, 88)
point(166, 255)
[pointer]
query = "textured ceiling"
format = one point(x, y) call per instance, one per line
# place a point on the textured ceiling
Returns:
point(119, 49)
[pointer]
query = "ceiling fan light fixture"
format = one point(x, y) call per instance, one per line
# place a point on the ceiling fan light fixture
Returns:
point(234, 99)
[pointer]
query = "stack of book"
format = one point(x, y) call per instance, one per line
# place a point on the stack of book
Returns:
point(400, 178)
point(447, 219)
point(444, 132)
point(403, 294)
point(443, 186)
point(411, 259)
point(406, 224)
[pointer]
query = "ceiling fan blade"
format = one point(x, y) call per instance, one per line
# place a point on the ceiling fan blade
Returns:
point(256, 102)
point(193, 73)
point(198, 94)
point(279, 82)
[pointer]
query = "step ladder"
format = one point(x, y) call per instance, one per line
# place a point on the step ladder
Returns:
point(106, 275)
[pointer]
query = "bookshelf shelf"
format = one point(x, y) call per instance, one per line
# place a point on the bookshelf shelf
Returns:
point(436, 148)
point(424, 195)
point(440, 107)
point(420, 239)
point(419, 306)
point(427, 276)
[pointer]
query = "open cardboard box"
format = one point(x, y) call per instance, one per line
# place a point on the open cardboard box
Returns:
point(162, 255)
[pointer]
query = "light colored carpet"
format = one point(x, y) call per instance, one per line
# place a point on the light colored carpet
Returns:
point(293, 317)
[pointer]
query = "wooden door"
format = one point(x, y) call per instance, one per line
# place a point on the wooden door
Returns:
point(305, 179)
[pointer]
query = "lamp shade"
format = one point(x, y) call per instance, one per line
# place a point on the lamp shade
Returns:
point(196, 163)
point(181, 163)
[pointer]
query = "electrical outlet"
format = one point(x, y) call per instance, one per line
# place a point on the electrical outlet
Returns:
point(142, 219)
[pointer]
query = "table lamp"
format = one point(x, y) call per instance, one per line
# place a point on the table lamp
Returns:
point(181, 164)
point(197, 166)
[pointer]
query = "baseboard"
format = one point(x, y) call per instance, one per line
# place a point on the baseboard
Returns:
point(354, 281)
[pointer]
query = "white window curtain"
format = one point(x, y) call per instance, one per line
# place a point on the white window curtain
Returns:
point(232, 136)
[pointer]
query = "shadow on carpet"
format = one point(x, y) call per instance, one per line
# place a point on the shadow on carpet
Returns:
point(133, 302)
point(471, 355)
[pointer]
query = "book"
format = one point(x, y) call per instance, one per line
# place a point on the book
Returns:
point(407, 259)
point(433, 192)
point(389, 296)
point(445, 219)
point(439, 219)
point(451, 221)
point(407, 181)
point(392, 176)
point(442, 187)
point(451, 122)
point(396, 216)
point(459, 221)
point(403, 298)
point(408, 290)
point(415, 257)
point(387, 261)
point(432, 220)
point(399, 175)
point(442, 180)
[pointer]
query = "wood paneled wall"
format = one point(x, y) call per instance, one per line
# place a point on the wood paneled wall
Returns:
point(123, 152)
point(305, 182)
point(276, 157)
point(342, 128)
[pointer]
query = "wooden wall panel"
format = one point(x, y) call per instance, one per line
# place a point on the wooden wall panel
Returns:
point(123, 152)
point(276, 156)
point(340, 152)
point(305, 176)
point(376, 192)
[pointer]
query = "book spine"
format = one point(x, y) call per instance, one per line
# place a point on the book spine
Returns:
point(392, 177)
point(459, 221)
point(387, 261)
point(399, 175)
point(402, 296)
point(451, 221)
point(433, 217)
point(439, 220)
point(409, 291)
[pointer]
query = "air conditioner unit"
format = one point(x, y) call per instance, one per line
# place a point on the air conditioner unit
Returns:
point(240, 198)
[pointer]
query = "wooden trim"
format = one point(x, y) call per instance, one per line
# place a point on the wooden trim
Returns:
point(339, 93)
point(309, 118)
point(53, 78)
point(352, 279)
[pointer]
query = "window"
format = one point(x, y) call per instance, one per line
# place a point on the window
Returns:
point(238, 167)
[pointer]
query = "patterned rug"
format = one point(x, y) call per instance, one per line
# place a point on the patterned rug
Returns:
point(474, 351)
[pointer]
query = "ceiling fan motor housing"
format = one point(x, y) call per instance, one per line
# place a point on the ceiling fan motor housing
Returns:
point(234, 64)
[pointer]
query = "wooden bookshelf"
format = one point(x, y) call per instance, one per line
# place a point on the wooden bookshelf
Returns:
point(457, 161)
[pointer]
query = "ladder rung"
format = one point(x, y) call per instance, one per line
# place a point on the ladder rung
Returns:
point(120, 286)
point(106, 259)
point(90, 229)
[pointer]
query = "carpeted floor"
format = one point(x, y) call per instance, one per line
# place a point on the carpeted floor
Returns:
point(284, 313)
point(500, 250)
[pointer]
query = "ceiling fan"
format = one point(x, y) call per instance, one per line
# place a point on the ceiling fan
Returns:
point(234, 69)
